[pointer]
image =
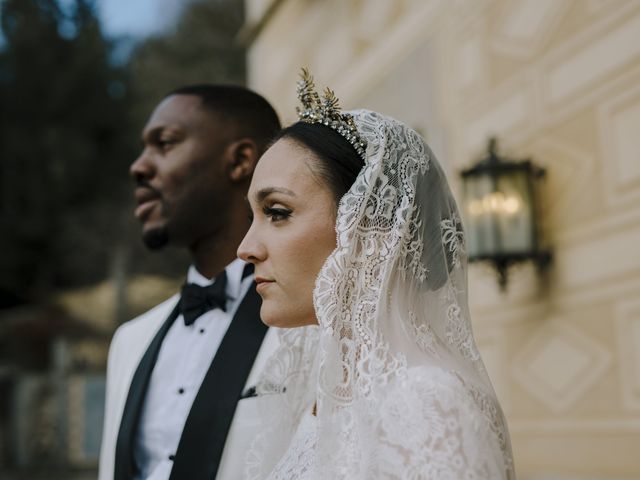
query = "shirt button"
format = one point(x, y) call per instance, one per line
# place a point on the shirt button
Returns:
point(202, 330)
point(181, 391)
point(172, 457)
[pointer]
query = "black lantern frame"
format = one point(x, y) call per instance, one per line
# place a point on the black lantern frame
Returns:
point(500, 199)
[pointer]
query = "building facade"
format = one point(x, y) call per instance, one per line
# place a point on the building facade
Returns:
point(557, 81)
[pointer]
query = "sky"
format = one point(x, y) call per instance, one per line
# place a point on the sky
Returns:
point(137, 18)
point(134, 19)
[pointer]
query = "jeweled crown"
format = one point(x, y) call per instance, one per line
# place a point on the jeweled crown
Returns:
point(326, 111)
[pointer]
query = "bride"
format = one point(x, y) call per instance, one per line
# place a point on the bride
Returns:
point(356, 239)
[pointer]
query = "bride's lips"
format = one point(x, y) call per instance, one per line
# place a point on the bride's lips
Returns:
point(262, 283)
point(146, 199)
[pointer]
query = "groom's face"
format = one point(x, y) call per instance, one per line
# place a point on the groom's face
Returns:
point(291, 235)
point(181, 184)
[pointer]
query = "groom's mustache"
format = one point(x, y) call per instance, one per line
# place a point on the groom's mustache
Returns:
point(145, 191)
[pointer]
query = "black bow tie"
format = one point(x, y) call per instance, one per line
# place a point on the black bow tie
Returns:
point(197, 300)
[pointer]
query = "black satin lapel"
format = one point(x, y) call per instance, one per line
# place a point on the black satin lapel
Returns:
point(205, 432)
point(124, 464)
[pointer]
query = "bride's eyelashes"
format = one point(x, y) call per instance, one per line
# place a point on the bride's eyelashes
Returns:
point(276, 214)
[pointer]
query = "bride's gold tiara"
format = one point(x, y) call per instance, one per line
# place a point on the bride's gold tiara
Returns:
point(326, 111)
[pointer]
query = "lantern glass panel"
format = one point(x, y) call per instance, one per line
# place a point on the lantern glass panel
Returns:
point(515, 216)
point(499, 213)
point(481, 231)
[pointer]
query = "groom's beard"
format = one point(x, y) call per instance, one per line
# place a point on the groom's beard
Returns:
point(156, 238)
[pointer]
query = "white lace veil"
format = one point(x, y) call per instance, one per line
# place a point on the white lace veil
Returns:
point(400, 388)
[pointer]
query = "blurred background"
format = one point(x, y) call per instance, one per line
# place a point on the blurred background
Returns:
point(555, 81)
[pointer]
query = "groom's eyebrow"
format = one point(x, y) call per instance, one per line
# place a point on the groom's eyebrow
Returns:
point(265, 192)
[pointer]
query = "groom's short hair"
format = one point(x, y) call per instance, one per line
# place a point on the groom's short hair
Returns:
point(246, 111)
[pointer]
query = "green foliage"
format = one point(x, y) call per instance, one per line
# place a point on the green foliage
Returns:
point(64, 147)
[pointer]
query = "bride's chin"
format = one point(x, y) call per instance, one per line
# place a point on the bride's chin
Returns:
point(270, 318)
point(281, 319)
point(276, 322)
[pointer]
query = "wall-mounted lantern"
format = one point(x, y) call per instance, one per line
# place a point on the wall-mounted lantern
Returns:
point(501, 212)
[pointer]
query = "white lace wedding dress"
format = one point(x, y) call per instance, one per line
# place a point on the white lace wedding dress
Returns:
point(452, 440)
point(299, 459)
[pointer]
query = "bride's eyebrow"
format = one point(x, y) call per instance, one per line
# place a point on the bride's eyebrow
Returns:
point(265, 192)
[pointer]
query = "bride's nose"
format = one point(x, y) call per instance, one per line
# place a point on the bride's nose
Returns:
point(251, 250)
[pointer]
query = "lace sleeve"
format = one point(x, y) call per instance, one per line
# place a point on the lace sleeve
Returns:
point(433, 426)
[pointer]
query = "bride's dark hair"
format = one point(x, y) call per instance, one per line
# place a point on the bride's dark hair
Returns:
point(339, 163)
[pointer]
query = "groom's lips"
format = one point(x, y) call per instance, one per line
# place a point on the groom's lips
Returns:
point(146, 198)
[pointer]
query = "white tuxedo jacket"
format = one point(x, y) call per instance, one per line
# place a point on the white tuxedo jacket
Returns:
point(129, 344)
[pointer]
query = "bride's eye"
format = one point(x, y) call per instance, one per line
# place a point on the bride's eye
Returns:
point(277, 214)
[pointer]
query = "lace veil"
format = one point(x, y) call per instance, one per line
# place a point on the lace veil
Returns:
point(400, 387)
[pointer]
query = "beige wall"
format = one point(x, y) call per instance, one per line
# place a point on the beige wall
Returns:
point(558, 81)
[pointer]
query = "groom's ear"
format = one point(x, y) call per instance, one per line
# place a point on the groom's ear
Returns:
point(242, 158)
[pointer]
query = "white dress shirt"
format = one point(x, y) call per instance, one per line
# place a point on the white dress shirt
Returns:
point(184, 358)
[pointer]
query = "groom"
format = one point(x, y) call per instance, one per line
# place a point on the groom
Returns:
point(178, 403)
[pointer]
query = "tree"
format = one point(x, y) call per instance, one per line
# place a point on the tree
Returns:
point(65, 145)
